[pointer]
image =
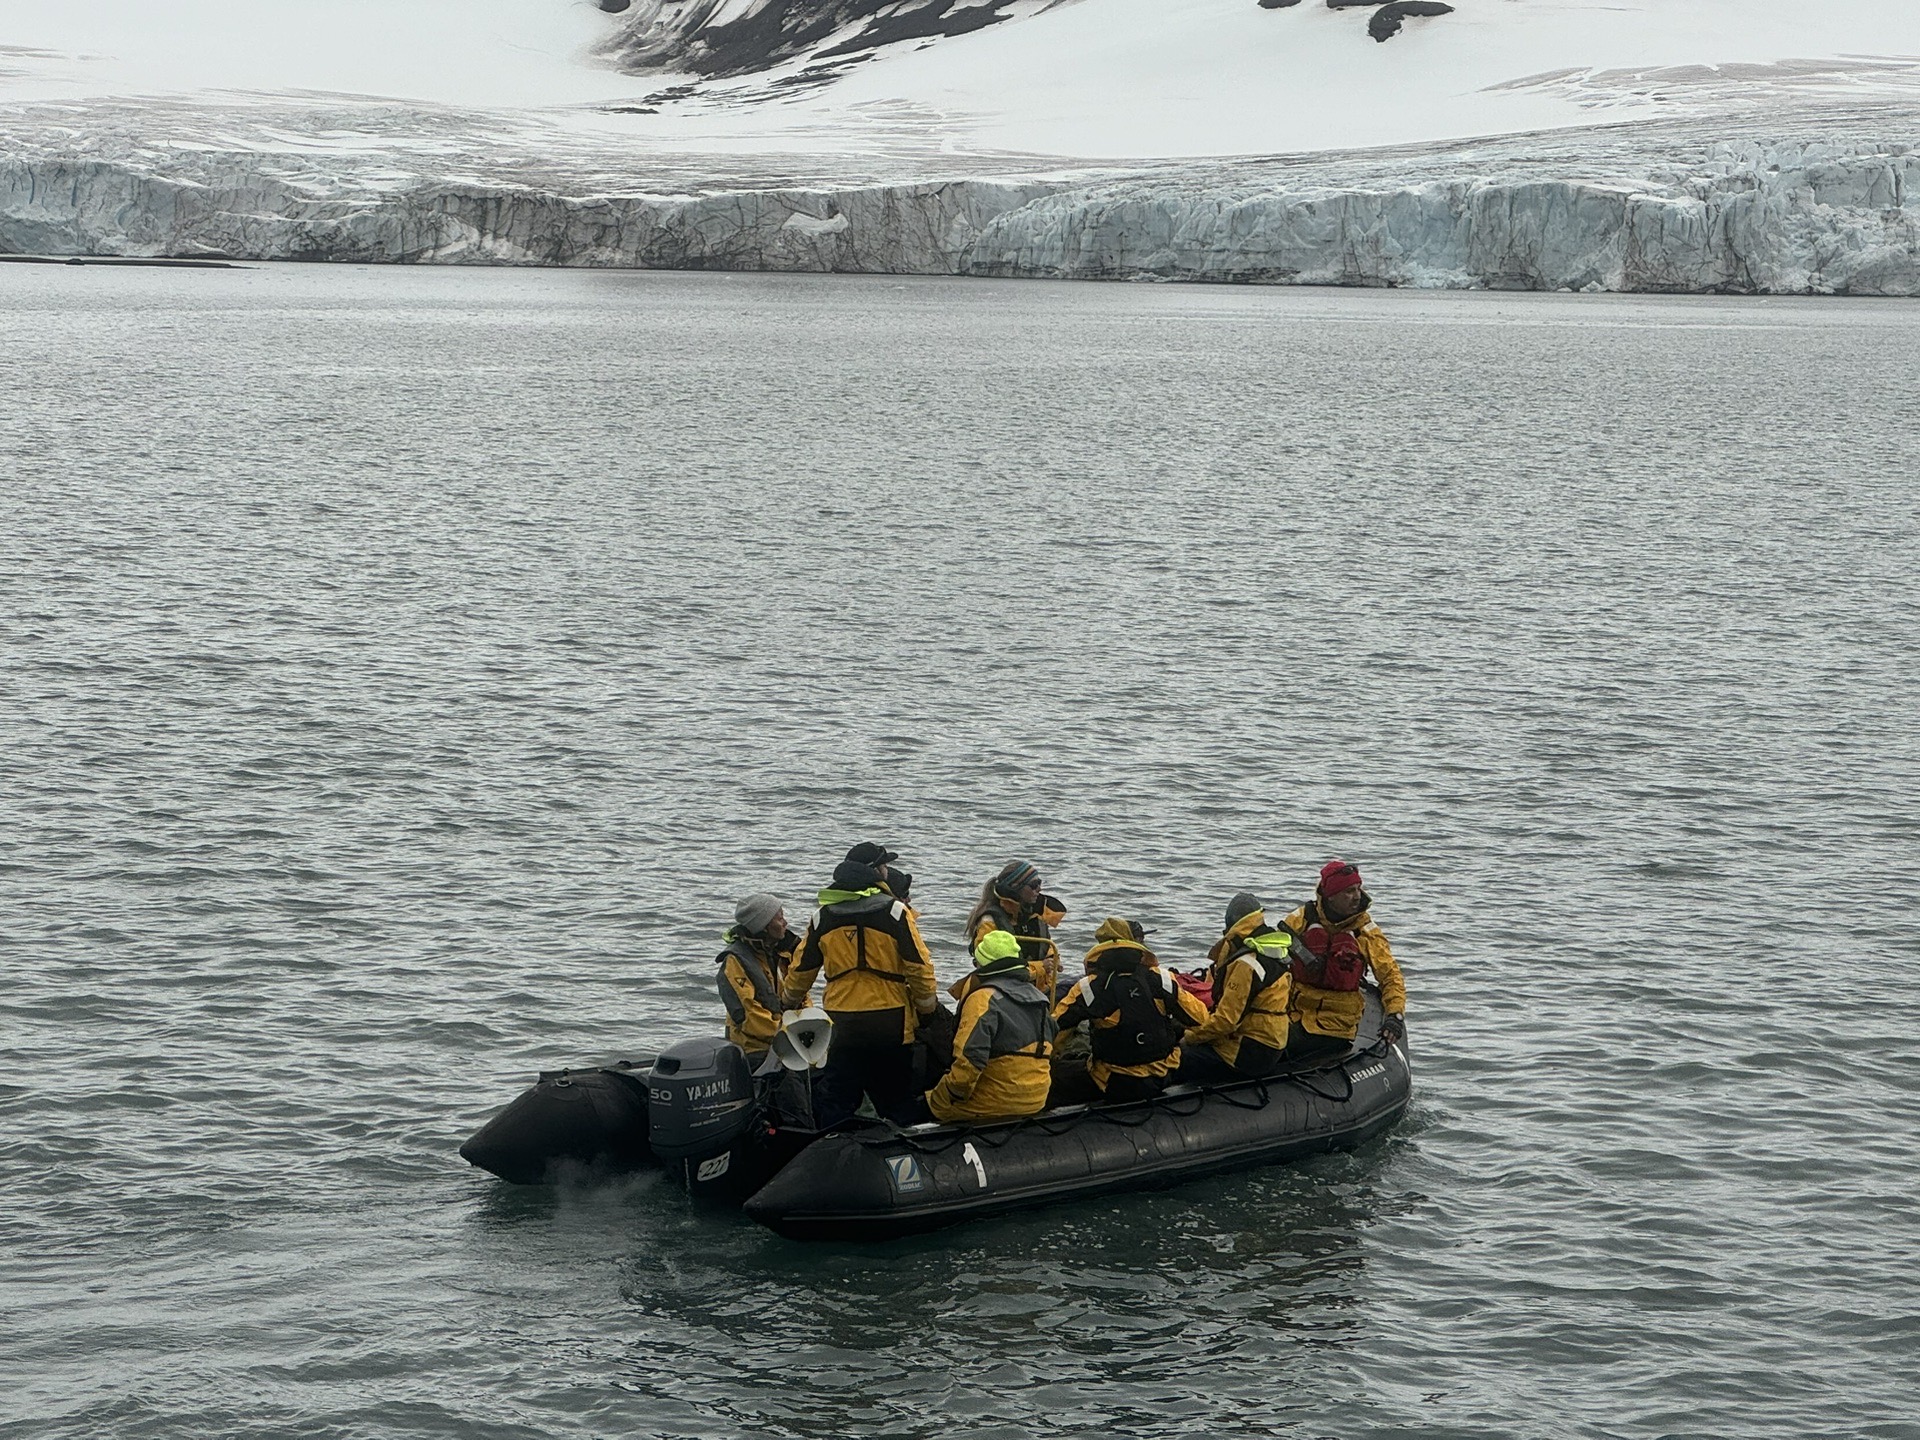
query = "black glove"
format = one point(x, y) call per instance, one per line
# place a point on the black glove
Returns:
point(898, 883)
point(1393, 1029)
point(938, 1027)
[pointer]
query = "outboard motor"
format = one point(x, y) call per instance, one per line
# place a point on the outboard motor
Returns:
point(703, 1119)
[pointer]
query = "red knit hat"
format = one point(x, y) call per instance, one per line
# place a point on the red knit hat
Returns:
point(1338, 875)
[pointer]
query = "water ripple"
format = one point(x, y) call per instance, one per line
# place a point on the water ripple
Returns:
point(407, 670)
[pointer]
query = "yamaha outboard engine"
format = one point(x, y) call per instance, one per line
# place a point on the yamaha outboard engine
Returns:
point(703, 1119)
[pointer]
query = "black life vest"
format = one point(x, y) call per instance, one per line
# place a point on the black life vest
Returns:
point(1031, 931)
point(1327, 959)
point(764, 973)
point(1149, 1020)
point(877, 911)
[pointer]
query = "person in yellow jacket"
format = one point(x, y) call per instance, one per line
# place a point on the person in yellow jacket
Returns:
point(1003, 1044)
point(879, 982)
point(1014, 903)
point(1134, 1013)
point(1327, 1016)
point(1246, 1032)
point(759, 950)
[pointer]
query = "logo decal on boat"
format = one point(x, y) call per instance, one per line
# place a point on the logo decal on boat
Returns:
point(1368, 1073)
point(906, 1174)
point(713, 1169)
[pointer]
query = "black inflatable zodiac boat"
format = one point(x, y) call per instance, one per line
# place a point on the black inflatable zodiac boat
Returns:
point(729, 1135)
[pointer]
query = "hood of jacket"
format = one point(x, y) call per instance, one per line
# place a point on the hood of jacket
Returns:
point(1018, 987)
point(831, 896)
point(1252, 923)
point(762, 945)
point(1112, 957)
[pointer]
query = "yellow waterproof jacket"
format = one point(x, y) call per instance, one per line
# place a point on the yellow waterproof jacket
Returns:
point(879, 974)
point(1077, 1005)
point(1251, 985)
point(1033, 929)
point(1002, 1053)
point(1337, 1012)
point(751, 969)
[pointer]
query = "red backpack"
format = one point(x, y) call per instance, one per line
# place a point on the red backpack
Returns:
point(1327, 960)
point(1197, 983)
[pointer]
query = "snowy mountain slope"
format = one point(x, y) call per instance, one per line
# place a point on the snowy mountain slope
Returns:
point(458, 52)
point(1128, 78)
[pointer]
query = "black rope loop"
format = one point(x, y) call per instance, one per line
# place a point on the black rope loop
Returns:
point(1304, 1082)
point(1113, 1119)
point(1262, 1096)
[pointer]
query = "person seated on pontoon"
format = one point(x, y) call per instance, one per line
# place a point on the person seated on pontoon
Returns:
point(1340, 943)
point(1013, 903)
point(1002, 1044)
point(1246, 1033)
point(1134, 1014)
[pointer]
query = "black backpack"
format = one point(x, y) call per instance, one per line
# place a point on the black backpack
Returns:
point(1144, 1031)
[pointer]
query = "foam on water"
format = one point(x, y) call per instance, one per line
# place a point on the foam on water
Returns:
point(407, 670)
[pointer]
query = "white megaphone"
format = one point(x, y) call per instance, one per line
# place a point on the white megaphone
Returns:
point(803, 1039)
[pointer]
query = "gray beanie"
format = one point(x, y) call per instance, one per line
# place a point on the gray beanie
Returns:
point(756, 912)
point(1241, 906)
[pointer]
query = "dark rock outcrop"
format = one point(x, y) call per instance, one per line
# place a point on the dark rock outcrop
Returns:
point(1387, 20)
point(937, 19)
point(1278, 4)
point(664, 35)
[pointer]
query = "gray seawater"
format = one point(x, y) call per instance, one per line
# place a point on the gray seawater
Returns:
point(402, 672)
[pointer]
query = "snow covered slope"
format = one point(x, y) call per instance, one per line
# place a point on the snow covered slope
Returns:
point(1131, 78)
point(1099, 79)
point(457, 52)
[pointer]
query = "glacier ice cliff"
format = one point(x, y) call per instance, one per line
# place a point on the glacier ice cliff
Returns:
point(1831, 208)
point(1752, 217)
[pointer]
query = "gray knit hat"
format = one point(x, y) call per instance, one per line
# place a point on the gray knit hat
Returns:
point(756, 912)
point(1241, 906)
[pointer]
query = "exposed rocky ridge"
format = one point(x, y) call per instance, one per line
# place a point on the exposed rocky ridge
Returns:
point(1388, 19)
point(1834, 208)
point(721, 38)
point(728, 37)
